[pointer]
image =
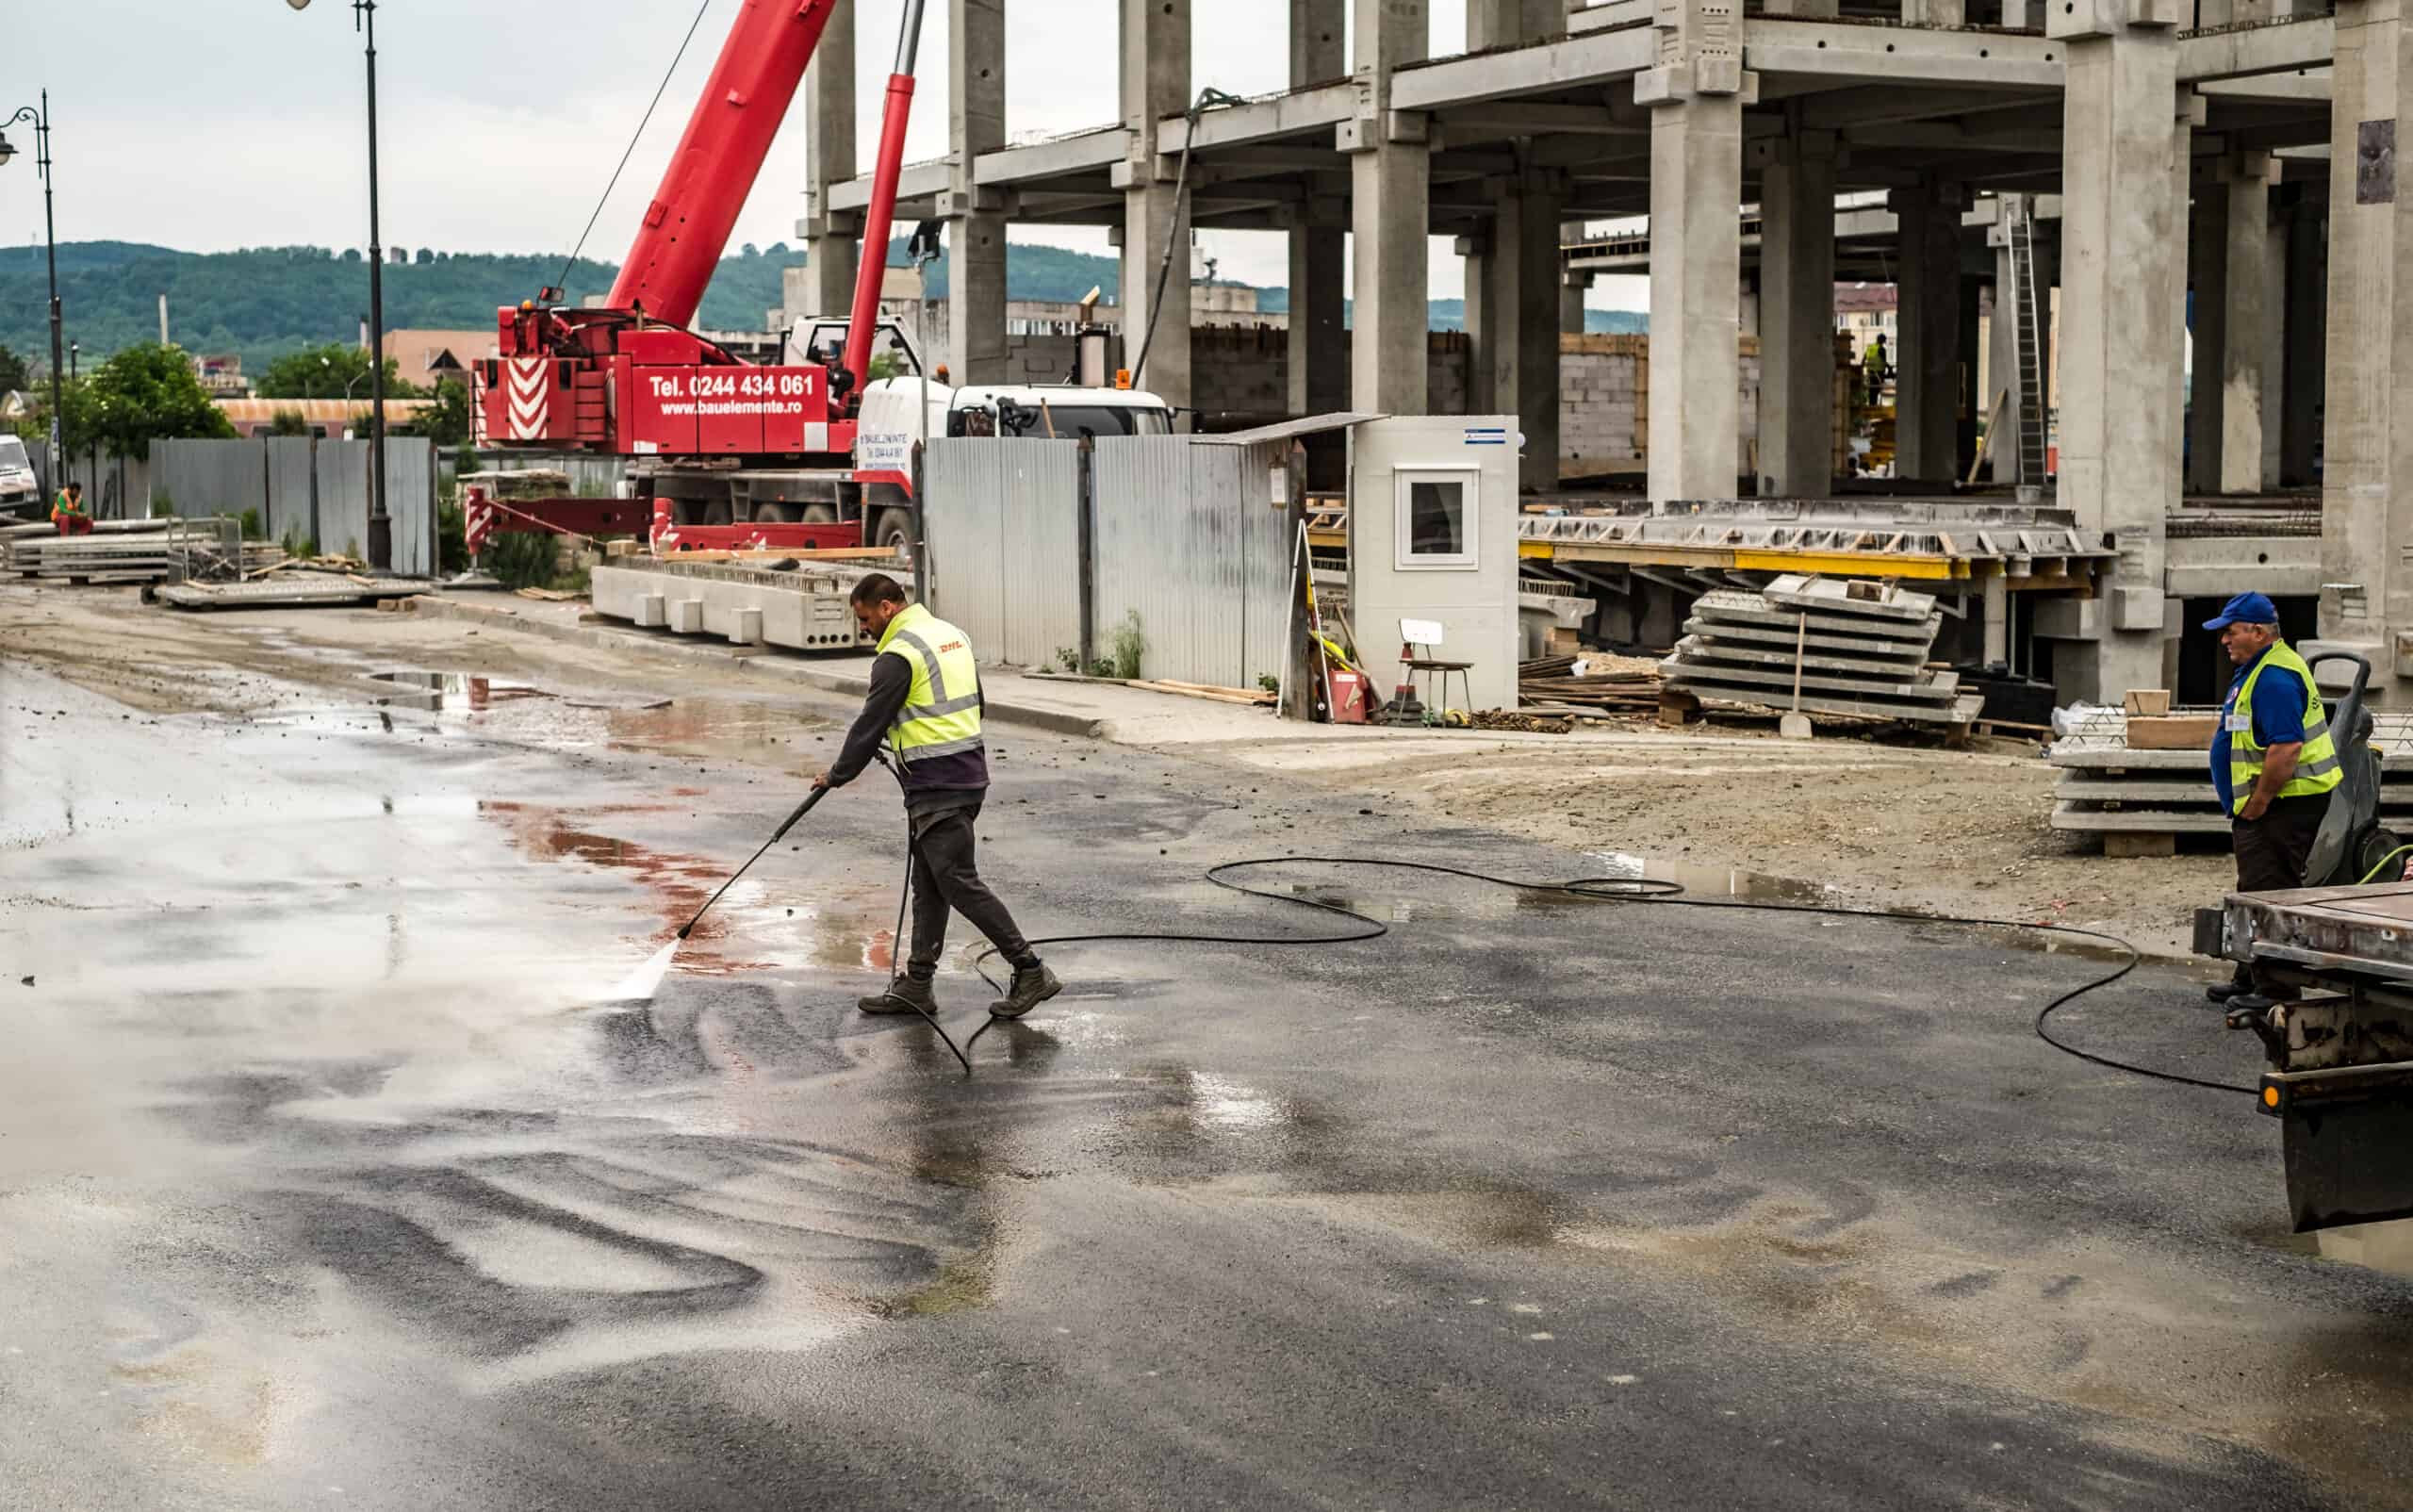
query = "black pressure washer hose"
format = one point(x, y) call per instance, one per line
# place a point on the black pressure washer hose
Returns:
point(1599, 889)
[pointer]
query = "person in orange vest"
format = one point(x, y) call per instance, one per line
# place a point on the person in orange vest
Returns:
point(67, 512)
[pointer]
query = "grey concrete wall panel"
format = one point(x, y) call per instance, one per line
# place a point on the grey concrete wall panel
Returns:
point(291, 472)
point(210, 477)
point(344, 497)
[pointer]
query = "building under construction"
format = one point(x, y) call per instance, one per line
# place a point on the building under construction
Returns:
point(2213, 175)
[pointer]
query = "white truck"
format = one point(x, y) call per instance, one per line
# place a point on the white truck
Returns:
point(20, 490)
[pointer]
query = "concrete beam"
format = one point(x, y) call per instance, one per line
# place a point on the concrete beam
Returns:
point(2271, 47)
point(1599, 57)
point(1834, 50)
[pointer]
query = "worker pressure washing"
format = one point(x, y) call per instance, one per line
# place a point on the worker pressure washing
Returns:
point(925, 708)
point(2273, 761)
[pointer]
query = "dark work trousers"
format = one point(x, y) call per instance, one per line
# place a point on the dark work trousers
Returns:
point(945, 877)
point(2272, 850)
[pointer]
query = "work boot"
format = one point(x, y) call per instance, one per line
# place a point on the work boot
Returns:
point(2222, 992)
point(906, 995)
point(1033, 985)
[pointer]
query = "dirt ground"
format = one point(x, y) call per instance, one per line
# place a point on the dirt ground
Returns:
point(1855, 820)
point(1723, 807)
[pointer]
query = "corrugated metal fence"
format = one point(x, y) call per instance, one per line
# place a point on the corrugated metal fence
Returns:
point(305, 487)
point(1186, 543)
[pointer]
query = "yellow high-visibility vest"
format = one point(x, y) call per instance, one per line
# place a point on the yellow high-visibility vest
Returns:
point(942, 712)
point(2317, 769)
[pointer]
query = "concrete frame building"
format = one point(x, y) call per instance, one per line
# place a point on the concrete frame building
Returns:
point(2224, 168)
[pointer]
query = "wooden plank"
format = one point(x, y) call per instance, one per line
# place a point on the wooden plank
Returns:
point(2122, 847)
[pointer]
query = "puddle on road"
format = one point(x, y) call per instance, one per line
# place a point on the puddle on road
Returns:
point(765, 924)
point(1715, 882)
point(435, 691)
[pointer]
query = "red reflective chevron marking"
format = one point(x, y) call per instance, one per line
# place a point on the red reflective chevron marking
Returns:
point(529, 390)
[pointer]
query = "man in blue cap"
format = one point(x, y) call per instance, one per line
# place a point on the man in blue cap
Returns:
point(2273, 761)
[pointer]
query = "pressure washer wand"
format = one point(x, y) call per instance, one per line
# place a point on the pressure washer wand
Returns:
point(776, 835)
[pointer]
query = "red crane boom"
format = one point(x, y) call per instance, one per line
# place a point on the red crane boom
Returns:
point(687, 227)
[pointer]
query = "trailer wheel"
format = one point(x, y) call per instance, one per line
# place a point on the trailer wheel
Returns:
point(821, 514)
point(770, 513)
point(716, 512)
point(893, 530)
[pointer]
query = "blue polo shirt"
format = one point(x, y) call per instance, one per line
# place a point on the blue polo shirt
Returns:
point(2278, 719)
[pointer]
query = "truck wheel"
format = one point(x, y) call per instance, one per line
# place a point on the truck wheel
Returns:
point(768, 514)
point(821, 514)
point(716, 512)
point(894, 529)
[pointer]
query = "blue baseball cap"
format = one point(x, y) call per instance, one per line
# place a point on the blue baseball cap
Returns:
point(2245, 609)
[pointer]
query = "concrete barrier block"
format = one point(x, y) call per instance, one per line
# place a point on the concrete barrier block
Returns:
point(747, 629)
point(651, 613)
point(687, 617)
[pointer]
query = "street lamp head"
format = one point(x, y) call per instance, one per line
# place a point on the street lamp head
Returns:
point(299, 5)
point(7, 151)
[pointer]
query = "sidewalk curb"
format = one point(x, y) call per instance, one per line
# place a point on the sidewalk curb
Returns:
point(1055, 721)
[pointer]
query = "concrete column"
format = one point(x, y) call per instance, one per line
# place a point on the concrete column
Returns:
point(2207, 277)
point(1928, 389)
point(1511, 22)
point(1482, 321)
point(2366, 453)
point(1521, 315)
point(1797, 315)
point(2247, 319)
point(1319, 246)
point(2230, 247)
point(2122, 235)
point(1156, 83)
point(1696, 284)
point(830, 159)
point(976, 284)
point(1573, 287)
point(2275, 340)
point(2305, 342)
point(1390, 212)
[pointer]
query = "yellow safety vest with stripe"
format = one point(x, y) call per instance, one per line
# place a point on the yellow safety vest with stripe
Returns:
point(2317, 769)
point(942, 712)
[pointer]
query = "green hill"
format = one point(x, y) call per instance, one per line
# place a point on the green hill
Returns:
point(263, 302)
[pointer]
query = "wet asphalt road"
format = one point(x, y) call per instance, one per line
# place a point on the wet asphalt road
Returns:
point(329, 1177)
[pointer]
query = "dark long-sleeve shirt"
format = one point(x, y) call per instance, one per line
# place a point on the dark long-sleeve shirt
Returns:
point(942, 782)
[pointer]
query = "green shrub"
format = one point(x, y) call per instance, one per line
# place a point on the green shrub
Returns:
point(1127, 645)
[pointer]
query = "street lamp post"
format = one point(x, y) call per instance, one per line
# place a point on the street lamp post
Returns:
point(41, 118)
point(381, 527)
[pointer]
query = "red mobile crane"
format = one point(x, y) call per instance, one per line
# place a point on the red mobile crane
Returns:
point(751, 454)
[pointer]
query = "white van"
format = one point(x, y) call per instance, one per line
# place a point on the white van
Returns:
point(20, 490)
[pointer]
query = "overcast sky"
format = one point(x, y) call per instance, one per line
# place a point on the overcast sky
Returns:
point(208, 124)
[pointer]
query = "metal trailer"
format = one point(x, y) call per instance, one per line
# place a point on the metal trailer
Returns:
point(2338, 1034)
